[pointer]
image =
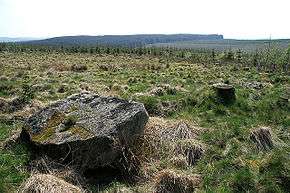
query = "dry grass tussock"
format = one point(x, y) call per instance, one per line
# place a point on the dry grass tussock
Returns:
point(171, 130)
point(19, 109)
point(48, 176)
point(46, 183)
point(79, 67)
point(168, 181)
point(179, 162)
point(28, 110)
point(192, 150)
point(265, 139)
point(168, 140)
point(45, 165)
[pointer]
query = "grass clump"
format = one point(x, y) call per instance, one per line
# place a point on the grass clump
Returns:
point(172, 182)
point(275, 172)
point(191, 150)
point(79, 68)
point(43, 183)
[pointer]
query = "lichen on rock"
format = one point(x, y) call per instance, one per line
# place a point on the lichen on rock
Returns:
point(87, 129)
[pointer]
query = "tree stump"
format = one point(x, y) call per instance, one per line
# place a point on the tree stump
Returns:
point(262, 138)
point(225, 92)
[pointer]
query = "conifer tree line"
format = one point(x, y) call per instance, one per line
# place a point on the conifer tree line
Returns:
point(269, 60)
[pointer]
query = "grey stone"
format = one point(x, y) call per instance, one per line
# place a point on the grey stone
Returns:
point(254, 85)
point(85, 129)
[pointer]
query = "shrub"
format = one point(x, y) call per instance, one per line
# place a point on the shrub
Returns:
point(104, 67)
point(27, 93)
point(79, 67)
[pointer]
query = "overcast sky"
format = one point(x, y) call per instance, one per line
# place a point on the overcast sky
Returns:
point(243, 19)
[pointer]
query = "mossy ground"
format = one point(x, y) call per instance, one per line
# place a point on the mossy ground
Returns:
point(231, 162)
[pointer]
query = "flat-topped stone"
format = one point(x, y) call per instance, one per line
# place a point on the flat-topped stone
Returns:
point(88, 128)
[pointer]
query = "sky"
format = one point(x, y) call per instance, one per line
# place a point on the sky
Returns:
point(239, 19)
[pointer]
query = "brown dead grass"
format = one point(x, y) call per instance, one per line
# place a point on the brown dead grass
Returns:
point(159, 144)
point(171, 129)
point(262, 137)
point(46, 165)
point(169, 181)
point(46, 183)
point(161, 135)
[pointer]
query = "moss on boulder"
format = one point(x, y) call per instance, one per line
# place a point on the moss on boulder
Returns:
point(85, 129)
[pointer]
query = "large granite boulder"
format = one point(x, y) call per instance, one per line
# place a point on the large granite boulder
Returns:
point(85, 129)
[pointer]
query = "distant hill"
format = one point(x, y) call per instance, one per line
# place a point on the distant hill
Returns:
point(7, 39)
point(190, 41)
point(226, 44)
point(123, 40)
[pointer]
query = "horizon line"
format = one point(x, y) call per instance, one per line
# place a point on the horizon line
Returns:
point(136, 34)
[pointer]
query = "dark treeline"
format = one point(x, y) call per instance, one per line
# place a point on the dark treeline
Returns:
point(269, 60)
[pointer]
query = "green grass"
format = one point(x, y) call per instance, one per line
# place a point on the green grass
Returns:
point(231, 162)
point(12, 162)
